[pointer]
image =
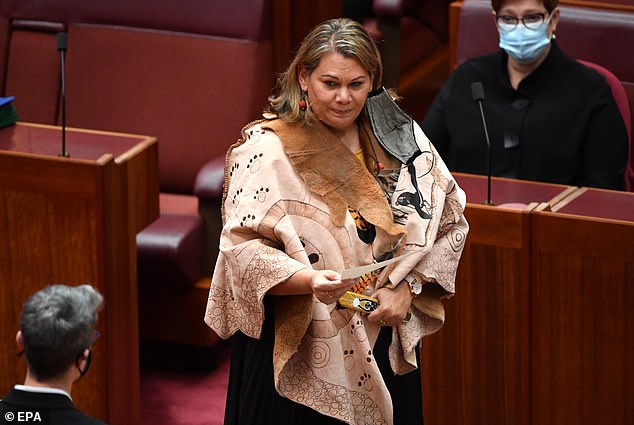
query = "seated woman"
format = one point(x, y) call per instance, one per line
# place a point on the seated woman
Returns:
point(549, 117)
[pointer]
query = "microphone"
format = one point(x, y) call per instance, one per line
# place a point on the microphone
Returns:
point(62, 46)
point(477, 92)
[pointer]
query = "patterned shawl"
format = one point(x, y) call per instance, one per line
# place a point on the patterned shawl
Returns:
point(285, 208)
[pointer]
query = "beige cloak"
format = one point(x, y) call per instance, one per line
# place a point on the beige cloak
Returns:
point(285, 208)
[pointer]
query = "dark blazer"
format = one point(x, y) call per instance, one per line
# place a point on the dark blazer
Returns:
point(53, 409)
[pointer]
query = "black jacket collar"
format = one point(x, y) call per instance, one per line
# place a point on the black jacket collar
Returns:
point(37, 400)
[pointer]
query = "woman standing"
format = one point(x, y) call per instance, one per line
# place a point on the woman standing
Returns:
point(336, 176)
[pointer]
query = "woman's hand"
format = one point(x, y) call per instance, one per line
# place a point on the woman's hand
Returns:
point(326, 285)
point(393, 305)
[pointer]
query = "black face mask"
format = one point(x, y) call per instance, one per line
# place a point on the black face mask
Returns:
point(83, 371)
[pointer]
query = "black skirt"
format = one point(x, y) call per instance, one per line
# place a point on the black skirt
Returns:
point(253, 400)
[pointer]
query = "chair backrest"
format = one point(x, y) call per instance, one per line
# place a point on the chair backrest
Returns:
point(33, 69)
point(622, 101)
point(194, 92)
point(4, 50)
point(190, 72)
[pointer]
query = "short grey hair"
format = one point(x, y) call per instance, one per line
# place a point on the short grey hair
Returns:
point(57, 324)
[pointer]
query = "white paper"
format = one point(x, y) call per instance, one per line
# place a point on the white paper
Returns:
point(361, 270)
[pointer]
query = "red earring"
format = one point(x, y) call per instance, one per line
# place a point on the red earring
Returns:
point(302, 104)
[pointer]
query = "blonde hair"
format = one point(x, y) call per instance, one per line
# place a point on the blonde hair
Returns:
point(343, 36)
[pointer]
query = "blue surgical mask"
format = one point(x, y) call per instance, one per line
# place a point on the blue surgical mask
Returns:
point(523, 44)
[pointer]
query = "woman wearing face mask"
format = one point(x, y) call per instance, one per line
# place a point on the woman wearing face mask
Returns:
point(549, 117)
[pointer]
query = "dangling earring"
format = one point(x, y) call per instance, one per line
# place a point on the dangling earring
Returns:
point(302, 102)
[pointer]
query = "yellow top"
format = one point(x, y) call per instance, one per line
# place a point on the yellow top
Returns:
point(360, 156)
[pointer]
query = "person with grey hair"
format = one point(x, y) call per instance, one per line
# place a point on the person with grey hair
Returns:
point(56, 334)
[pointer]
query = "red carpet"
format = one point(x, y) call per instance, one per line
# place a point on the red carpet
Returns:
point(177, 390)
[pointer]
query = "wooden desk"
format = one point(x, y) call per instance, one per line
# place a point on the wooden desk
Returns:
point(74, 220)
point(582, 316)
point(475, 370)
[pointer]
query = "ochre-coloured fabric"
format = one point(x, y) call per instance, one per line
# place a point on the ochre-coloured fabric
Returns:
point(288, 191)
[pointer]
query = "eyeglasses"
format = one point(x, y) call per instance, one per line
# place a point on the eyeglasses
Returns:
point(508, 22)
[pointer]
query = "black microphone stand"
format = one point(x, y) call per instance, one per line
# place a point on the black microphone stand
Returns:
point(62, 45)
point(478, 96)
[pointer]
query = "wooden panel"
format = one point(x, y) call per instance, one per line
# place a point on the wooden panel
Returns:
point(511, 193)
point(293, 20)
point(50, 237)
point(475, 370)
point(454, 20)
point(73, 221)
point(582, 324)
point(601, 204)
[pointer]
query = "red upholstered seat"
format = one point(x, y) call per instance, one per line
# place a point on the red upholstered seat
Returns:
point(4, 46)
point(172, 251)
point(33, 71)
point(195, 92)
point(173, 246)
point(620, 97)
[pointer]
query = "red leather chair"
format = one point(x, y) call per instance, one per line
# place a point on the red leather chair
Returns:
point(4, 47)
point(620, 97)
point(32, 68)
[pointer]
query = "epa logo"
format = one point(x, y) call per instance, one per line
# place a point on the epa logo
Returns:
point(22, 417)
